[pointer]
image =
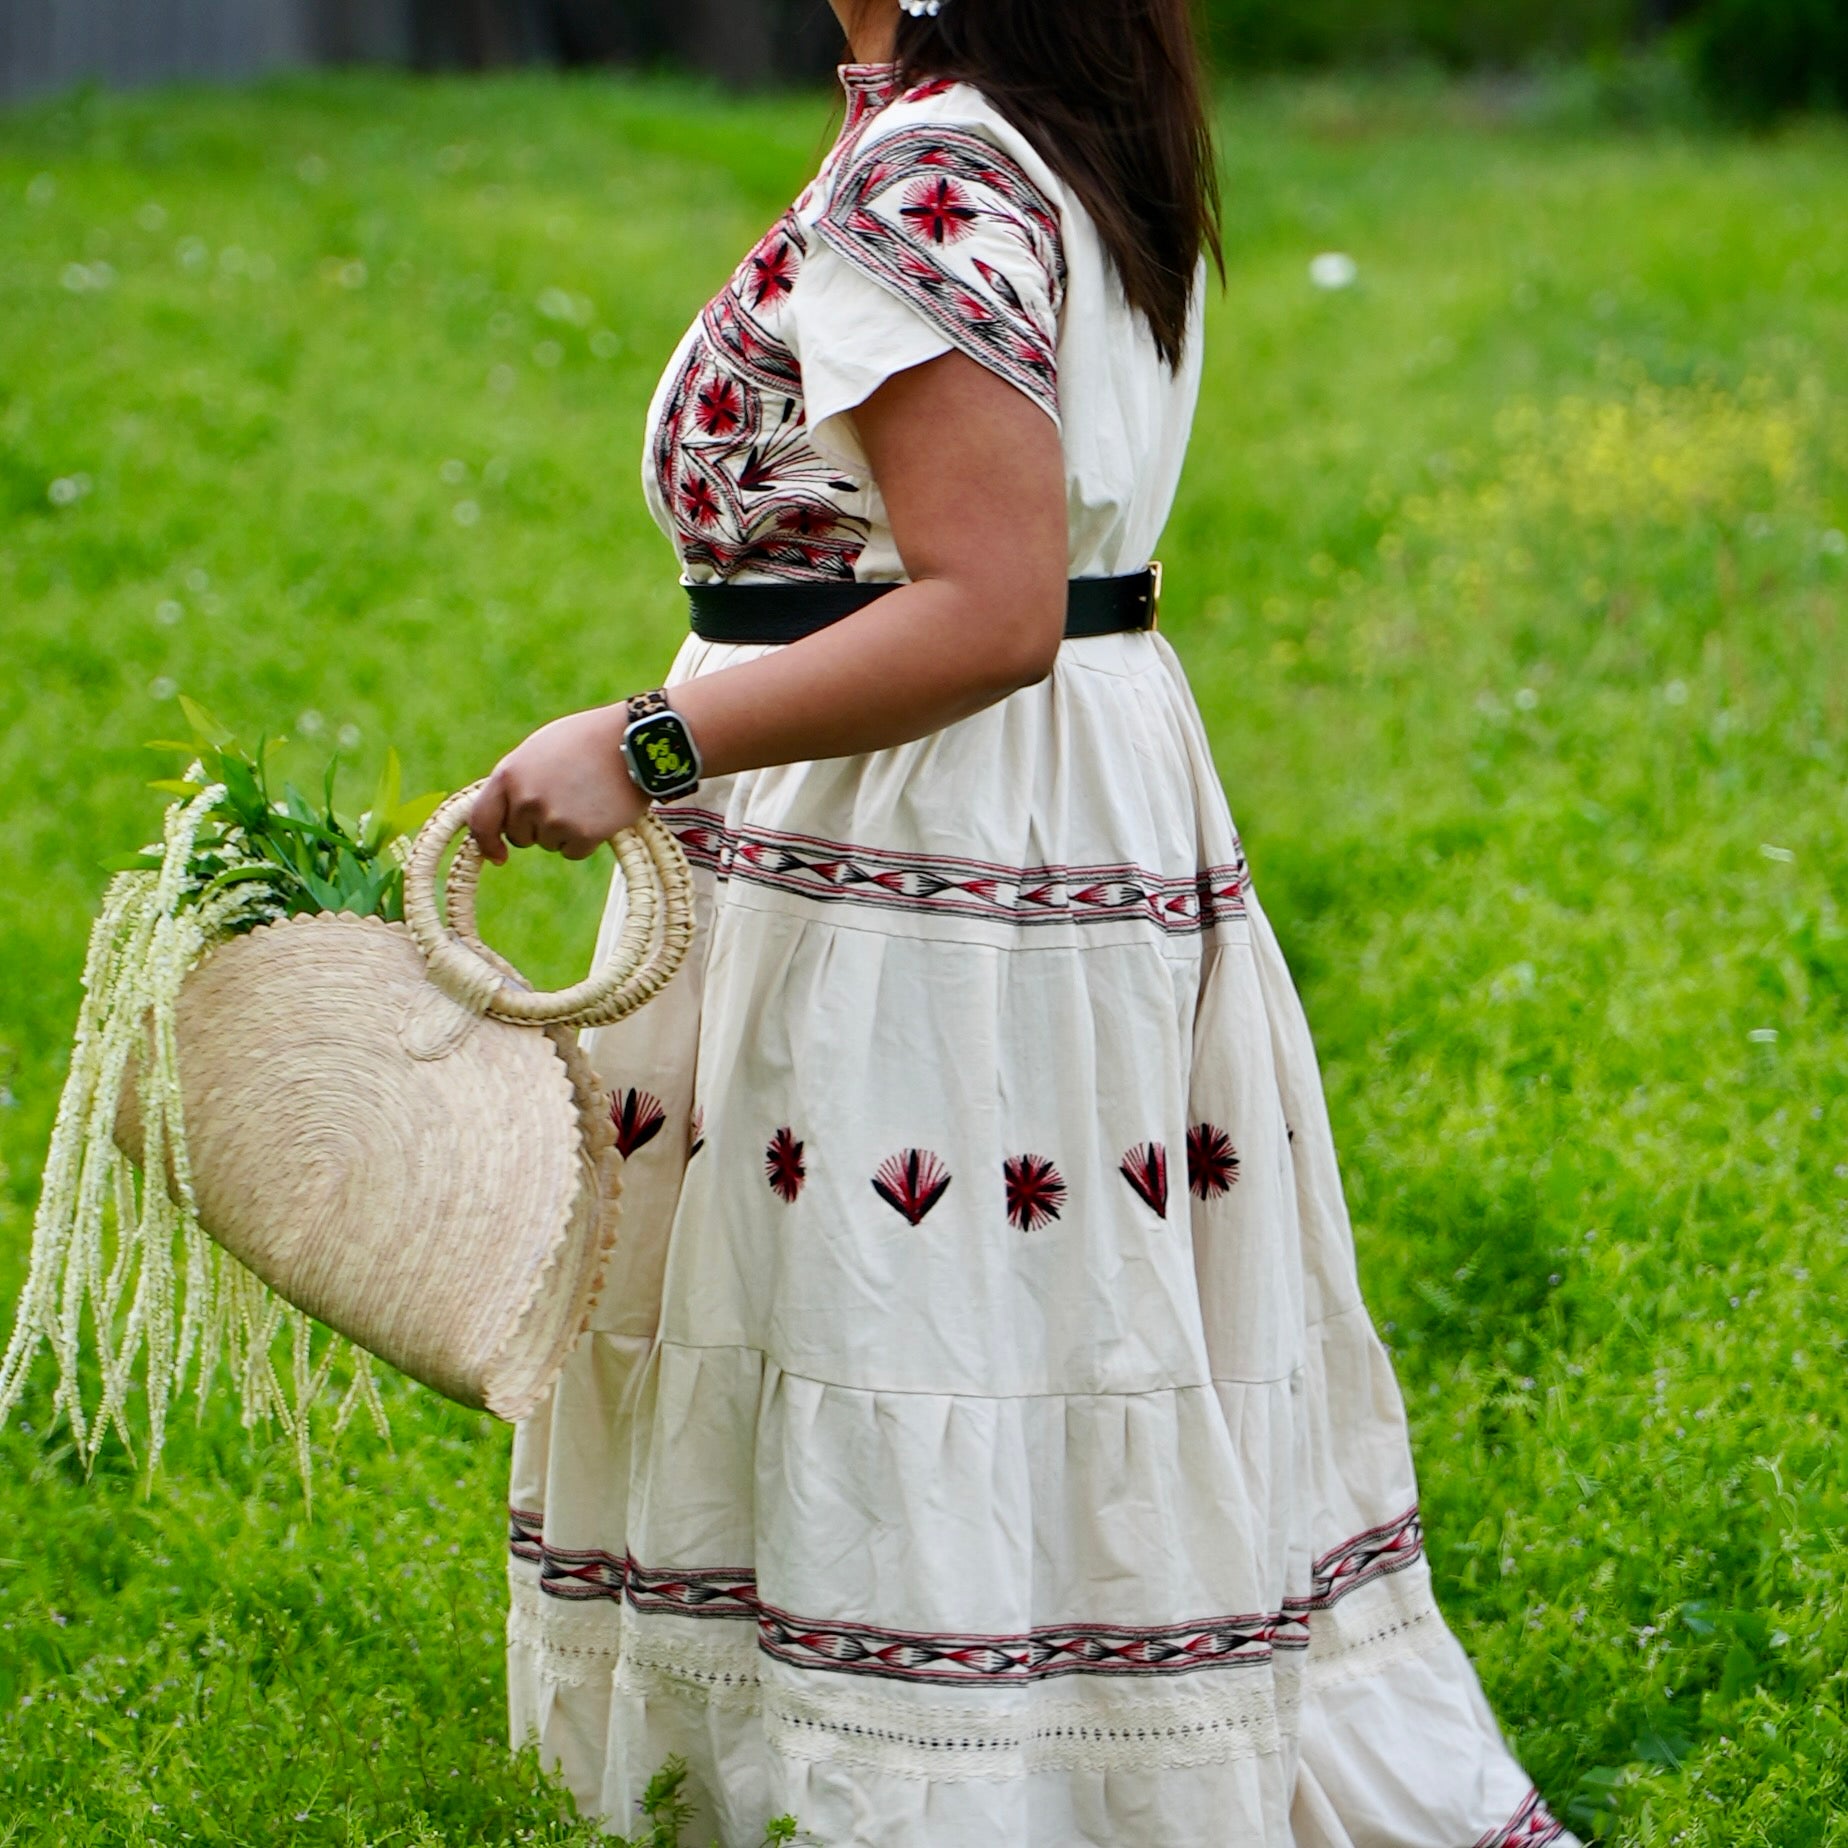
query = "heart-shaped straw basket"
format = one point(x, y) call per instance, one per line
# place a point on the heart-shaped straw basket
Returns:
point(399, 1136)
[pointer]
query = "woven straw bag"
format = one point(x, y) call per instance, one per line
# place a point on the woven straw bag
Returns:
point(399, 1136)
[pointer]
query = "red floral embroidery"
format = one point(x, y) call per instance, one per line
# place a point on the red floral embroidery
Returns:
point(808, 522)
point(905, 202)
point(1035, 1191)
point(783, 1165)
point(1145, 1168)
point(700, 503)
point(938, 210)
point(719, 408)
point(744, 487)
point(1212, 1161)
point(638, 1117)
point(911, 1182)
point(773, 269)
point(696, 1131)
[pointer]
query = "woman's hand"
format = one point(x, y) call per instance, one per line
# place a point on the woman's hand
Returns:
point(565, 789)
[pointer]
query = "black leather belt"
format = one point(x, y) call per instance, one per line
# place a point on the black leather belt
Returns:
point(787, 612)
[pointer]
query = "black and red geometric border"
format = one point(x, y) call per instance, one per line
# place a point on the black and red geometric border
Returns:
point(1388, 1548)
point(944, 1658)
point(1531, 1826)
point(949, 886)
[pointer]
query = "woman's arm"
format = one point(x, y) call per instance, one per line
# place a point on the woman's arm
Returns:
point(974, 484)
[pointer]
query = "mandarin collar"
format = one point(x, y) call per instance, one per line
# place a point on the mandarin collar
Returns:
point(869, 88)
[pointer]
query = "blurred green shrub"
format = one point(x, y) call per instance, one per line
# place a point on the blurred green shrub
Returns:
point(1752, 59)
point(1758, 58)
point(1273, 34)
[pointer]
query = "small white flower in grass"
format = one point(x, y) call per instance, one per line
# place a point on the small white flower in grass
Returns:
point(353, 275)
point(310, 723)
point(1333, 269)
point(349, 737)
point(198, 580)
point(167, 612)
point(548, 353)
point(1526, 698)
point(162, 686)
point(1772, 852)
point(191, 252)
point(454, 471)
point(466, 513)
point(1835, 542)
point(604, 344)
point(311, 170)
point(41, 189)
point(1760, 1036)
point(76, 278)
point(67, 490)
point(1676, 692)
point(152, 216)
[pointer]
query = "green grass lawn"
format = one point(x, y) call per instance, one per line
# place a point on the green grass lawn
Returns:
point(1512, 582)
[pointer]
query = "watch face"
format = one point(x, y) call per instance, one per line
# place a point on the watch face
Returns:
point(663, 753)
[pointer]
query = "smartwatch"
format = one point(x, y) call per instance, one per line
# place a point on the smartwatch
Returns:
point(658, 748)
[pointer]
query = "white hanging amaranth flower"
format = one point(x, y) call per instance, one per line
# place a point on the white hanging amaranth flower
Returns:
point(159, 1291)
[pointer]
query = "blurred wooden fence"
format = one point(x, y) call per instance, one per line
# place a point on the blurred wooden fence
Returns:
point(51, 44)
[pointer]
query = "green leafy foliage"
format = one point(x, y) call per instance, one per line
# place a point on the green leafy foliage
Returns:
point(289, 855)
point(668, 1814)
point(1760, 58)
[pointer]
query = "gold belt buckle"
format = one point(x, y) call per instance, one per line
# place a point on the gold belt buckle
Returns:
point(1154, 621)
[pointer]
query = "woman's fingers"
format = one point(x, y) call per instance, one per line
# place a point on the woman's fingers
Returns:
point(488, 817)
point(523, 822)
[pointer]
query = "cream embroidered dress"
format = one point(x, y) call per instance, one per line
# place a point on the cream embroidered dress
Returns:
point(982, 1442)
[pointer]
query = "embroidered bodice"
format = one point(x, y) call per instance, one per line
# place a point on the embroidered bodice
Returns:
point(933, 224)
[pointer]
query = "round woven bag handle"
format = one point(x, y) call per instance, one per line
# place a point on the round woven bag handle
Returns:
point(655, 935)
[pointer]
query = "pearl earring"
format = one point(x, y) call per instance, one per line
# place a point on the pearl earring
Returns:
point(922, 9)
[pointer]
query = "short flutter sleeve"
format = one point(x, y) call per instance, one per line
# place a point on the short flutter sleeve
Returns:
point(931, 236)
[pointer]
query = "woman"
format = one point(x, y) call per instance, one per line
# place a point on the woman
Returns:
point(982, 1440)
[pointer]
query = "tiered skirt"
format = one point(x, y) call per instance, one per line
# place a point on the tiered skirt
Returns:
point(982, 1438)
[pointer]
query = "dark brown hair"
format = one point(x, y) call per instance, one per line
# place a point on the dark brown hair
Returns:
point(1112, 95)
